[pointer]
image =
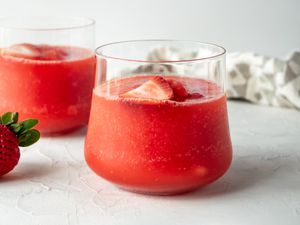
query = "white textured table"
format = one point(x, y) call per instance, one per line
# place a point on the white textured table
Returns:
point(52, 184)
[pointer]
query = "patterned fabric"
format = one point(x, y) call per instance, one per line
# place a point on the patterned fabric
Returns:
point(252, 77)
point(264, 80)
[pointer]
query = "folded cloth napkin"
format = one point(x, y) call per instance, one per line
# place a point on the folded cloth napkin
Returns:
point(252, 77)
point(264, 80)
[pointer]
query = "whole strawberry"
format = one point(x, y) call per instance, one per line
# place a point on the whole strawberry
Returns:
point(13, 135)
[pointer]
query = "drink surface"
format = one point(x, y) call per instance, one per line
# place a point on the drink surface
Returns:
point(51, 83)
point(159, 146)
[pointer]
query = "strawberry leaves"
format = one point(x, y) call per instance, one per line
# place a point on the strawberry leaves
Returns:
point(23, 130)
point(9, 118)
point(29, 138)
point(26, 125)
point(15, 128)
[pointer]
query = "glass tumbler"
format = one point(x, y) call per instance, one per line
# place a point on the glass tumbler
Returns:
point(47, 70)
point(158, 122)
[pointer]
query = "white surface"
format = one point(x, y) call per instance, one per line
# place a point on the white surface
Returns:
point(268, 27)
point(53, 185)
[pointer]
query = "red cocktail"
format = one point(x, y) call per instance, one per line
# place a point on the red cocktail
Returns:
point(47, 81)
point(158, 134)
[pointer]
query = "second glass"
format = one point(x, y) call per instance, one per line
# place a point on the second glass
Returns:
point(47, 70)
point(158, 122)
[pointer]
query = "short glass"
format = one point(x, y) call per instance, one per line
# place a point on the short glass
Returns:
point(47, 70)
point(158, 122)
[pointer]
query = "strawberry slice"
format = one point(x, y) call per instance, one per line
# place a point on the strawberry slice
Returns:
point(155, 88)
point(195, 96)
point(180, 93)
point(27, 51)
point(52, 53)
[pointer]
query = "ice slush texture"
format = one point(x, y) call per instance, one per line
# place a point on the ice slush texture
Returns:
point(158, 146)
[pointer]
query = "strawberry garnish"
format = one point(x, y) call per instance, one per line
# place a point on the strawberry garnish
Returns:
point(180, 93)
point(159, 88)
point(51, 53)
point(27, 51)
point(155, 88)
point(195, 95)
point(36, 52)
point(13, 135)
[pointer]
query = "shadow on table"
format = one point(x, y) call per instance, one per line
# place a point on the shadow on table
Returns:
point(247, 172)
point(27, 171)
point(80, 132)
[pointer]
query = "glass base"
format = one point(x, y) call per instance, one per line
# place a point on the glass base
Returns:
point(159, 193)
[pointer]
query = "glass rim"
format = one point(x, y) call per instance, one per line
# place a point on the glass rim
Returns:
point(87, 22)
point(215, 56)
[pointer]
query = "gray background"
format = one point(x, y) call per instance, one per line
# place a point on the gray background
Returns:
point(270, 27)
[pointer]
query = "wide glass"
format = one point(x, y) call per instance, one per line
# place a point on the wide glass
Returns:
point(158, 122)
point(47, 70)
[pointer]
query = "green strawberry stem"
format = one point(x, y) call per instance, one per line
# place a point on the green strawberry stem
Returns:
point(23, 130)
